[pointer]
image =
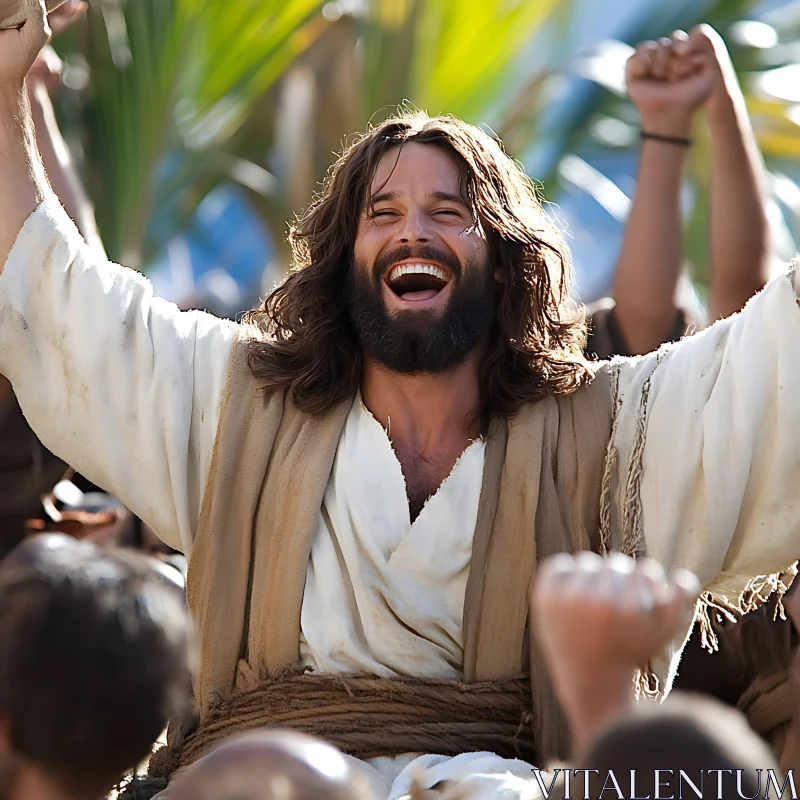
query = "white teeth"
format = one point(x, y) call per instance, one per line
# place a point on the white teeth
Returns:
point(428, 269)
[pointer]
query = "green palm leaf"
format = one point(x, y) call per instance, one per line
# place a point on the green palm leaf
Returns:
point(465, 51)
point(172, 81)
point(446, 56)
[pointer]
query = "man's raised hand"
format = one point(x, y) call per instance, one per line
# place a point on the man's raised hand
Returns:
point(19, 48)
point(23, 183)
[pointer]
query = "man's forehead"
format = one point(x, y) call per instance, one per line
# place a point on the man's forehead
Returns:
point(418, 169)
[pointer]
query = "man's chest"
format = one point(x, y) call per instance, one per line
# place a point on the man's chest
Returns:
point(398, 580)
point(424, 476)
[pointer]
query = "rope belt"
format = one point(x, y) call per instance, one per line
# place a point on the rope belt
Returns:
point(368, 717)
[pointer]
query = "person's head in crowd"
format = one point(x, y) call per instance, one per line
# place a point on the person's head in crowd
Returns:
point(690, 737)
point(94, 659)
point(271, 765)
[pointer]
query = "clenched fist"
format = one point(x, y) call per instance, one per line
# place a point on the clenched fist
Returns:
point(709, 49)
point(593, 613)
point(19, 48)
point(14, 12)
point(597, 619)
point(669, 80)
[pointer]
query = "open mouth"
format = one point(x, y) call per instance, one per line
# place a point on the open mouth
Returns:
point(416, 282)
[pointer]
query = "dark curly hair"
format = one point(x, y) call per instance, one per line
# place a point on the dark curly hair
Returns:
point(94, 660)
point(535, 349)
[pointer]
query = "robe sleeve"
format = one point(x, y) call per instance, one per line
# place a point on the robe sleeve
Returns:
point(120, 384)
point(707, 447)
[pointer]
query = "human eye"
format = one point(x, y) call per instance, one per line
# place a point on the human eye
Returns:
point(383, 212)
point(448, 212)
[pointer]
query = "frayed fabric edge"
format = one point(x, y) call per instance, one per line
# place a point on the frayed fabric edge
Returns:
point(608, 468)
point(756, 593)
point(646, 683)
point(633, 541)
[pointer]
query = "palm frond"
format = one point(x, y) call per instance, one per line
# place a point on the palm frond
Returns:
point(172, 81)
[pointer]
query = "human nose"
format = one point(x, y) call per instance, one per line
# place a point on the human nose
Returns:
point(414, 228)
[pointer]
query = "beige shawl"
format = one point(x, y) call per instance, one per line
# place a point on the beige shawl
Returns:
point(271, 464)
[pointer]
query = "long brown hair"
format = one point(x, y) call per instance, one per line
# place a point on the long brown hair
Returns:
point(535, 348)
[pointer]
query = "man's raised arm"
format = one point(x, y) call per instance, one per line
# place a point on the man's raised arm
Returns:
point(121, 385)
point(667, 87)
point(707, 447)
point(738, 226)
point(22, 177)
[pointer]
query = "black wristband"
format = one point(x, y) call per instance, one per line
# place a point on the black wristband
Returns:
point(680, 141)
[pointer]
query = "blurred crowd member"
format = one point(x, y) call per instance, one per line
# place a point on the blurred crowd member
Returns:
point(791, 755)
point(690, 738)
point(272, 765)
point(600, 621)
point(669, 81)
point(93, 661)
point(367, 473)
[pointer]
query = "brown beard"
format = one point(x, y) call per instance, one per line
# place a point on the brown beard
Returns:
point(422, 343)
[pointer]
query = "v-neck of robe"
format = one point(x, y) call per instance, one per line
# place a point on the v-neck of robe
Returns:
point(397, 481)
point(384, 596)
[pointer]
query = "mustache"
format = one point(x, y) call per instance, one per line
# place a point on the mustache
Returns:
point(384, 261)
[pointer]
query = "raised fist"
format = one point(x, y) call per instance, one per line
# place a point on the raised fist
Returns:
point(669, 80)
point(19, 48)
point(708, 49)
point(601, 615)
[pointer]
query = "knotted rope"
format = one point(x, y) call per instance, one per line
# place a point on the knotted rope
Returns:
point(368, 717)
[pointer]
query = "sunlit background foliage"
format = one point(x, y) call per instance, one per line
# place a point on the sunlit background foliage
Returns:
point(203, 126)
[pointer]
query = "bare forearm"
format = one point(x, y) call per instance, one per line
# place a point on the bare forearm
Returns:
point(590, 702)
point(23, 184)
point(649, 264)
point(739, 228)
point(60, 168)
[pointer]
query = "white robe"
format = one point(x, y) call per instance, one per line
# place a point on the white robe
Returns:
point(127, 389)
point(385, 596)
